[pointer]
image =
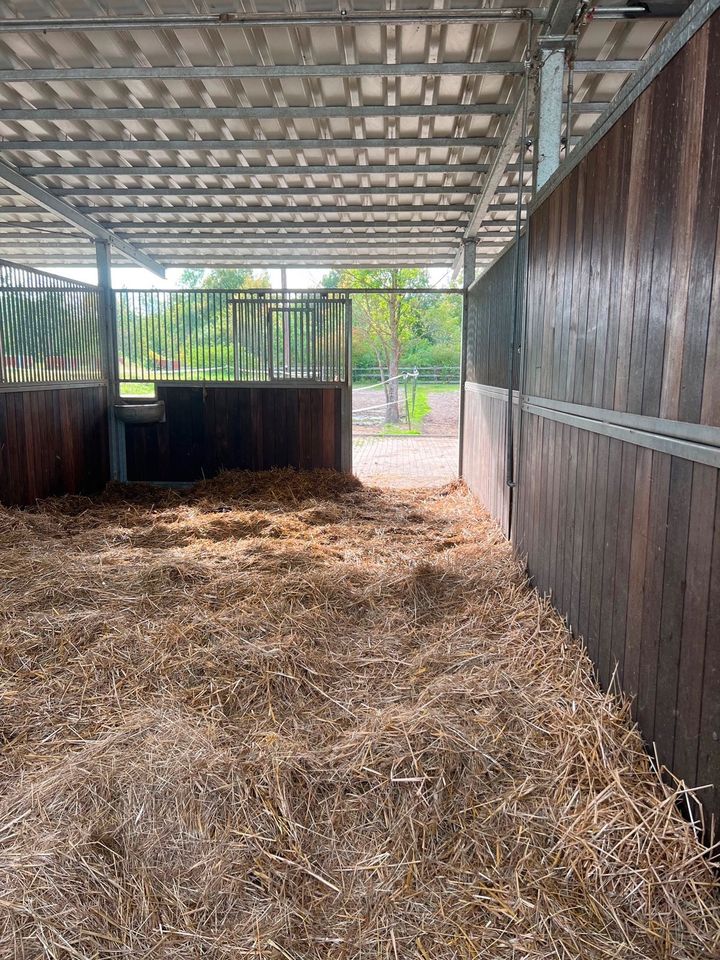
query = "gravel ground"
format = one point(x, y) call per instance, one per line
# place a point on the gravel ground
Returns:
point(442, 421)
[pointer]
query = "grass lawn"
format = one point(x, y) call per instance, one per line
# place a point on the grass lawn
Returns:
point(137, 389)
point(421, 408)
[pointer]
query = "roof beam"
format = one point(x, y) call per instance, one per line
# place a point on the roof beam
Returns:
point(208, 260)
point(55, 114)
point(258, 210)
point(298, 227)
point(248, 20)
point(48, 201)
point(174, 247)
point(300, 71)
point(239, 191)
point(325, 143)
point(497, 170)
point(296, 170)
point(556, 25)
point(254, 211)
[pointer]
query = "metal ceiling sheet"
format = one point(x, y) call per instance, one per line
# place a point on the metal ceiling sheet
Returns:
point(245, 146)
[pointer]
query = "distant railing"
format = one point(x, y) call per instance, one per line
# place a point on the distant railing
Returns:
point(242, 336)
point(49, 328)
point(426, 374)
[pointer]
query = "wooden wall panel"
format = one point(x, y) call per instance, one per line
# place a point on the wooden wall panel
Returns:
point(52, 442)
point(209, 429)
point(490, 313)
point(622, 301)
point(490, 309)
point(623, 315)
point(642, 534)
point(485, 426)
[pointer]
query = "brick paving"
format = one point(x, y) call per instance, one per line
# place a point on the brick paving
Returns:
point(405, 462)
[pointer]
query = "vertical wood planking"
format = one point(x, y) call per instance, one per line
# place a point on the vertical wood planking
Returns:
point(52, 442)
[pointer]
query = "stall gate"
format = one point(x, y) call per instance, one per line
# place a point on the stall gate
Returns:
point(249, 379)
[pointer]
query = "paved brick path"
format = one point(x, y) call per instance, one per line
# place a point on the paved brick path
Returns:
point(405, 462)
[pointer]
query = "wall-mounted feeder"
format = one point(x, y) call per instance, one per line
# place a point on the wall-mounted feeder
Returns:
point(141, 413)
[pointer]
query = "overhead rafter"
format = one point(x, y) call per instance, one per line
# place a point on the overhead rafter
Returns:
point(313, 143)
point(246, 20)
point(296, 170)
point(297, 71)
point(55, 114)
point(48, 201)
point(124, 190)
point(557, 23)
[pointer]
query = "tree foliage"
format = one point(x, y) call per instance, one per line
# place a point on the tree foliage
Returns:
point(391, 330)
point(234, 278)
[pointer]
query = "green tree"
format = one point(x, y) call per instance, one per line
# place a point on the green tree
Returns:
point(234, 278)
point(384, 323)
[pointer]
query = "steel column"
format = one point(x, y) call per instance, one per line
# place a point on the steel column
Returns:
point(108, 331)
point(549, 113)
point(469, 263)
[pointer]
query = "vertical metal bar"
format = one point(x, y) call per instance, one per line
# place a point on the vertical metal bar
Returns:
point(469, 262)
point(569, 104)
point(346, 395)
point(118, 470)
point(198, 318)
point(3, 331)
point(517, 297)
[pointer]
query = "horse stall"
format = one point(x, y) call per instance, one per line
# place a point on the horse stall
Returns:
point(53, 387)
point(250, 707)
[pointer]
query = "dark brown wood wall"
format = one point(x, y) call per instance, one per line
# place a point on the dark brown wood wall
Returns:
point(209, 429)
point(52, 442)
point(623, 315)
point(626, 541)
point(490, 314)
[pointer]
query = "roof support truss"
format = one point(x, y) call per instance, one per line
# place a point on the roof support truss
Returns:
point(48, 201)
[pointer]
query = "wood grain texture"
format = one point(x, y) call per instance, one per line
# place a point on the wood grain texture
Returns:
point(52, 442)
point(209, 429)
point(485, 425)
point(623, 313)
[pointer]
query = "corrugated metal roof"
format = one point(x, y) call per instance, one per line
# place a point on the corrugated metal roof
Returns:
point(350, 143)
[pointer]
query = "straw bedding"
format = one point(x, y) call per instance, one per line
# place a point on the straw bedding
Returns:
point(286, 717)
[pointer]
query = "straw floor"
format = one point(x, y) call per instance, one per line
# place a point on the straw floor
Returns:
point(286, 717)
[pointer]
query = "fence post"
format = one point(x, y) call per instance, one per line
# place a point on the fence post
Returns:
point(469, 251)
point(111, 367)
point(346, 396)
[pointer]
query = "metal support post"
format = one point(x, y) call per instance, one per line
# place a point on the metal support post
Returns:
point(346, 396)
point(469, 261)
point(549, 112)
point(108, 328)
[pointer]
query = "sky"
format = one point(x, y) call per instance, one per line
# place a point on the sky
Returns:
point(136, 278)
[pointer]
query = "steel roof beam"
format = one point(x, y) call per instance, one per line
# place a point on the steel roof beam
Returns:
point(296, 170)
point(249, 20)
point(324, 143)
point(55, 114)
point(328, 260)
point(297, 71)
point(259, 210)
point(24, 187)
point(239, 191)
point(557, 23)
